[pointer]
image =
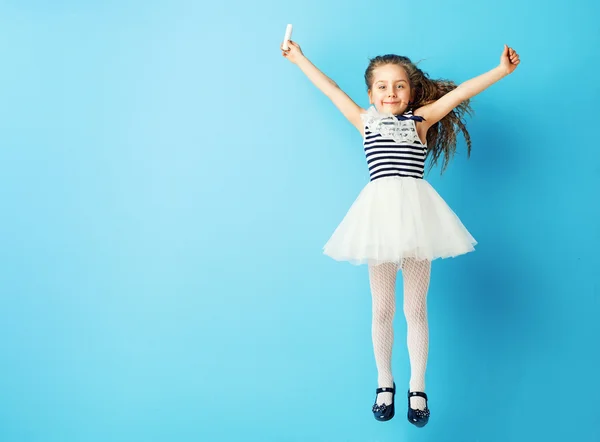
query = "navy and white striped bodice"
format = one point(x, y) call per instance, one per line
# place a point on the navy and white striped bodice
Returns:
point(393, 148)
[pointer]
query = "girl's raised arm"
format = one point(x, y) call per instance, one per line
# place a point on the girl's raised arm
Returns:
point(329, 87)
point(437, 110)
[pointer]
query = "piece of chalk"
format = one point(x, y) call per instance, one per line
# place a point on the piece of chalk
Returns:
point(288, 35)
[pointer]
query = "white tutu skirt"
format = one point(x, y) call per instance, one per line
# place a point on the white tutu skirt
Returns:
point(398, 217)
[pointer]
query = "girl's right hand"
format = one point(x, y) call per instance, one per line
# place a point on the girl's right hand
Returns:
point(294, 53)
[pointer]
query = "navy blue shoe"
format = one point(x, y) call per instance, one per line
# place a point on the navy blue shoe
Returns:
point(418, 418)
point(384, 412)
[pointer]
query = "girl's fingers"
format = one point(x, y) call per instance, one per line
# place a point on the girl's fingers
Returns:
point(512, 55)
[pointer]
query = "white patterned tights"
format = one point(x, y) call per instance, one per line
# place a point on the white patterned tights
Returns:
point(382, 279)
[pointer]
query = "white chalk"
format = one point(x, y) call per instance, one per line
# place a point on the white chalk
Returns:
point(288, 35)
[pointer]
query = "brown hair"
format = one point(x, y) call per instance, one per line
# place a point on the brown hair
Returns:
point(441, 137)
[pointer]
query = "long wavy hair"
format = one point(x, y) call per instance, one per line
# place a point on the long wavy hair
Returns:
point(441, 137)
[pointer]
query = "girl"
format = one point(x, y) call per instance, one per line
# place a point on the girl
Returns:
point(398, 221)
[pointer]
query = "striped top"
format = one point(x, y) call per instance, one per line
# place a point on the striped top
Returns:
point(392, 145)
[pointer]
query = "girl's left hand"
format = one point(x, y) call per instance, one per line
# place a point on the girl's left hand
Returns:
point(509, 60)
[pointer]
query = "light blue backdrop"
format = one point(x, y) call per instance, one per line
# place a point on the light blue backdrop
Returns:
point(168, 180)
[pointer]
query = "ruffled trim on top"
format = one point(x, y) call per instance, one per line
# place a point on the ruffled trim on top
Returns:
point(392, 126)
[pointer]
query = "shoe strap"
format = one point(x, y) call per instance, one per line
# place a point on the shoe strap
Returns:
point(384, 390)
point(417, 393)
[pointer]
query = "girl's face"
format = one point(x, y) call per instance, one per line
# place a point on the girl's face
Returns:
point(390, 91)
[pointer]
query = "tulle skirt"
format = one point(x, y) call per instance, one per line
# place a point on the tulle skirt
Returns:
point(398, 217)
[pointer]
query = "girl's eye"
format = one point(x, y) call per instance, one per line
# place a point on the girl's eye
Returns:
point(381, 87)
point(400, 85)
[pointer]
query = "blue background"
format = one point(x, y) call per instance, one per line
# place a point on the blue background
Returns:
point(167, 182)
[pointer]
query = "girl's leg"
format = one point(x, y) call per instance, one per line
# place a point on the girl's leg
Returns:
point(382, 279)
point(416, 276)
